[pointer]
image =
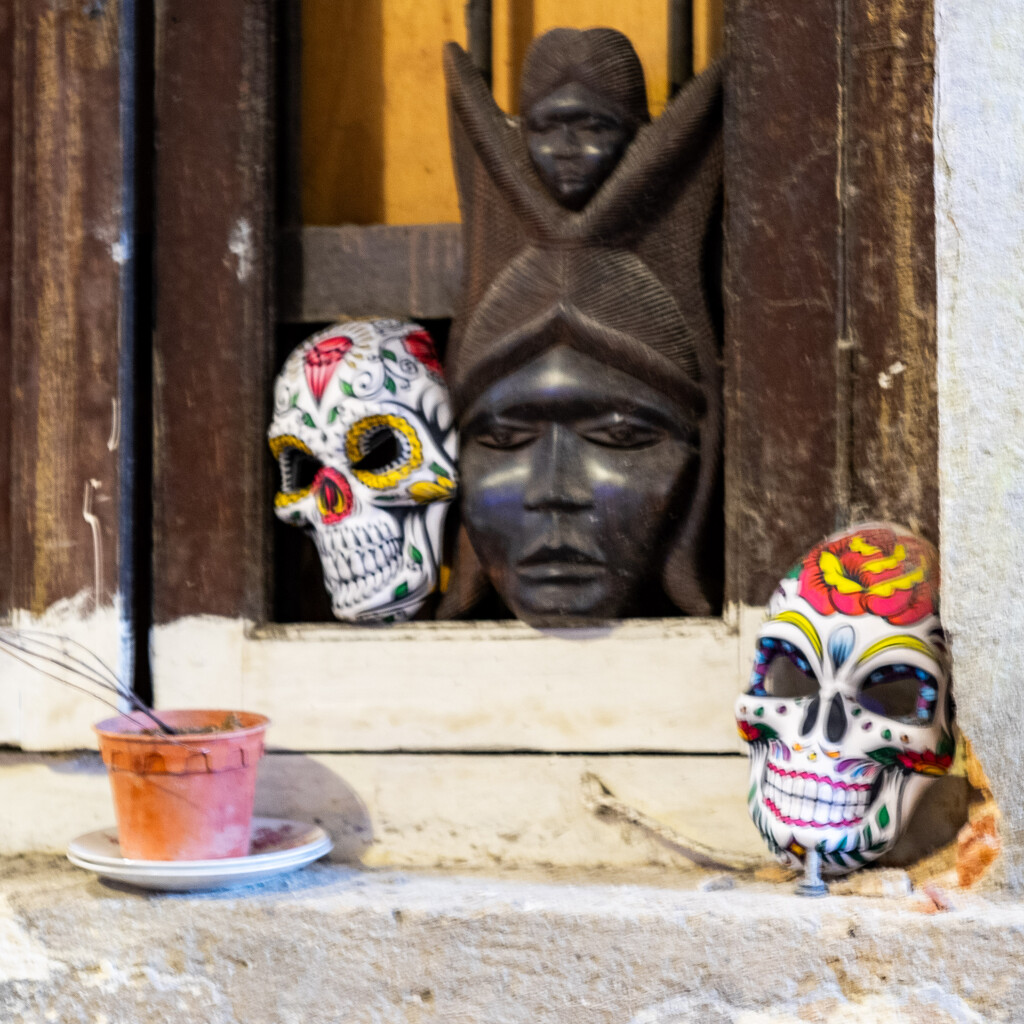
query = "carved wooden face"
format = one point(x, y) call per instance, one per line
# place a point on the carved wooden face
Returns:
point(575, 140)
point(573, 474)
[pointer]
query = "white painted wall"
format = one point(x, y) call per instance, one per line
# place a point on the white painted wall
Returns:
point(38, 713)
point(658, 684)
point(979, 181)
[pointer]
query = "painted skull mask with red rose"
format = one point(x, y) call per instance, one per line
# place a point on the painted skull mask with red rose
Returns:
point(847, 714)
point(365, 441)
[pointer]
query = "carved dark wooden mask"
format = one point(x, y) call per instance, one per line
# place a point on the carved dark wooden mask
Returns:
point(619, 279)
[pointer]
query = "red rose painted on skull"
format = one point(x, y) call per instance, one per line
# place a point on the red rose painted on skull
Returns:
point(926, 763)
point(875, 572)
point(421, 347)
point(321, 362)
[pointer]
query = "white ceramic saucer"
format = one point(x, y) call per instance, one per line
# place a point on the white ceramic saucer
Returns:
point(278, 845)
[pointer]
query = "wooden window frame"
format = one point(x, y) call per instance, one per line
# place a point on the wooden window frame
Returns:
point(829, 378)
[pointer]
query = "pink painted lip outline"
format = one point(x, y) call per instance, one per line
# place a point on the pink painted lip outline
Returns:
point(800, 823)
point(785, 773)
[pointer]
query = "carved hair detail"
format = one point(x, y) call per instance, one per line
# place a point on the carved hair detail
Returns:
point(601, 59)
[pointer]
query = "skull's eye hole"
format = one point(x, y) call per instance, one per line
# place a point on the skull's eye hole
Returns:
point(781, 670)
point(902, 692)
point(382, 449)
point(298, 469)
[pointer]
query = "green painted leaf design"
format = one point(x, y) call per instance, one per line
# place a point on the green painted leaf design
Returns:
point(308, 420)
point(882, 817)
point(332, 415)
point(858, 857)
point(885, 755)
point(867, 835)
point(752, 792)
point(390, 384)
point(401, 590)
point(795, 571)
point(388, 354)
point(414, 554)
point(842, 844)
point(886, 734)
point(347, 388)
point(439, 471)
point(946, 745)
point(294, 401)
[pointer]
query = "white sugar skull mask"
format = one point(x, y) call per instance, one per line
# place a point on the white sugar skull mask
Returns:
point(365, 440)
point(847, 711)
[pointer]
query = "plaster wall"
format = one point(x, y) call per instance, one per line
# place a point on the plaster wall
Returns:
point(979, 182)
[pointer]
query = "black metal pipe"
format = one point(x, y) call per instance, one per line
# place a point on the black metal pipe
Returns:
point(134, 433)
point(479, 36)
point(680, 44)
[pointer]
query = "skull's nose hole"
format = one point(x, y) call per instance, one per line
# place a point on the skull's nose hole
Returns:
point(835, 725)
point(333, 496)
point(810, 716)
point(380, 449)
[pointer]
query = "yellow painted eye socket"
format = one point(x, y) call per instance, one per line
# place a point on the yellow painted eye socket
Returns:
point(383, 450)
point(298, 466)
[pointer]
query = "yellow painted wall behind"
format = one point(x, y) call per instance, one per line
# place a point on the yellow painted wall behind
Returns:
point(374, 137)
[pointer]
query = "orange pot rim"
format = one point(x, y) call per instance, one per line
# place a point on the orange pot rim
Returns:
point(108, 727)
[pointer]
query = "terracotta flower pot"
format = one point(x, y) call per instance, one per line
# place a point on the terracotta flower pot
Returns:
point(187, 796)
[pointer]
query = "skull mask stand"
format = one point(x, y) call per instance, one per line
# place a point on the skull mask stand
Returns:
point(811, 884)
point(364, 438)
point(848, 713)
point(583, 359)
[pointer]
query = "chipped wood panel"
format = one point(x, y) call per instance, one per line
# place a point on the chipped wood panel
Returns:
point(382, 270)
point(782, 287)
point(212, 324)
point(6, 242)
point(65, 292)
point(891, 262)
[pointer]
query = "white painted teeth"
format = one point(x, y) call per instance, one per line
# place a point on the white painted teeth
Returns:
point(355, 574)
point(811, 798)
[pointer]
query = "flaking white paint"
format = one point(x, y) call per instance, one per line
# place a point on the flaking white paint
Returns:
point(240, 245)
point(38, 713)
point(885, 378)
